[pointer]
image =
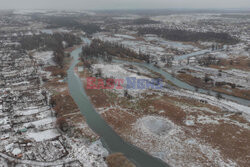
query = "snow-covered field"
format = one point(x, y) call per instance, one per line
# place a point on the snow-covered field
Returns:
point(119, 71)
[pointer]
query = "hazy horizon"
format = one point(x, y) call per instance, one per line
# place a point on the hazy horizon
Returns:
point(124, 4)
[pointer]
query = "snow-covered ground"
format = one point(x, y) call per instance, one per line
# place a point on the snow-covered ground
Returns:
point(119, 71)
point(44, 135)
point(44, 57)
point(116, 71)
point(173, 146)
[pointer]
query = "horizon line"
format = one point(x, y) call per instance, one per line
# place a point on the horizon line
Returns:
point(107, 9)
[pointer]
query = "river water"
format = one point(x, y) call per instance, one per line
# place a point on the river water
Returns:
point(109, 138)
point(184, 85)
point(201, 52)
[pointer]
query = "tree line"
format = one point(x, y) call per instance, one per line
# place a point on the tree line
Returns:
point(100, 49)
point(189, 36)
point(52, 42)
point(48, 41)
point(71, 22)
point(145, 20)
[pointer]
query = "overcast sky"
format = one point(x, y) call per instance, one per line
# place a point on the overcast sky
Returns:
point(121, 4)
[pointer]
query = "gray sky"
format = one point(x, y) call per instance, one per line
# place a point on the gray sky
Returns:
point(121, 4)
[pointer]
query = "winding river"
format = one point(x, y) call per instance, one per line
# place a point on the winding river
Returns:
point(184, 85)
point(109, 138)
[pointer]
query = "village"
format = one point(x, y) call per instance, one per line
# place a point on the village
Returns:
point(28, 130)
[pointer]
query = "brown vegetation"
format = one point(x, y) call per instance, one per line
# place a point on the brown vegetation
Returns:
point(232, 140)
point(241, 63)
point(118, 160)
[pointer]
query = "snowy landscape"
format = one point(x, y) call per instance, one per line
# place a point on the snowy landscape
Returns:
point(200, 116)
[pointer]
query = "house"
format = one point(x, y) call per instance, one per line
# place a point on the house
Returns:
point(16, 152)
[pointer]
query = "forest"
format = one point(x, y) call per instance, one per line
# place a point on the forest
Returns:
point(142, 21)
point(59, 21)
point(106, 49)
point(189, 36)
point(48, 42)
point(52, 42)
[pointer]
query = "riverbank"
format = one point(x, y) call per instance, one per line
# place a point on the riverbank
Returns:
point(69, 120)
point(65, 108)
point(110, 139)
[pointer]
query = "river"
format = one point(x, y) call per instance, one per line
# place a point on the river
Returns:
point(184, 85)
point(112, 141)
point(109, 138)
